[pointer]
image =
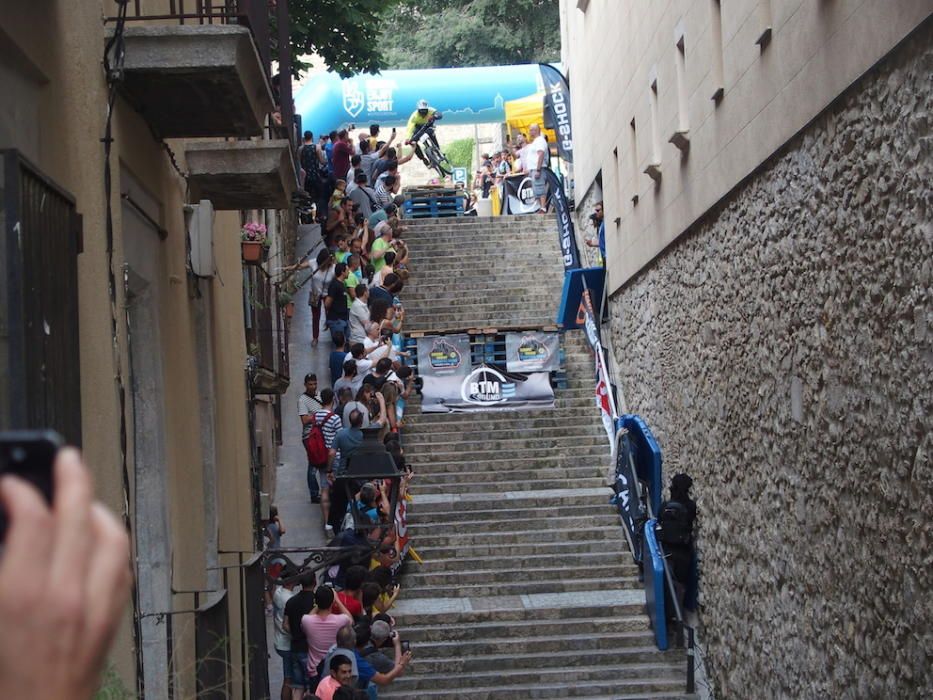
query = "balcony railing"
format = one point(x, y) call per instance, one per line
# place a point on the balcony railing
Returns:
point(253, 14)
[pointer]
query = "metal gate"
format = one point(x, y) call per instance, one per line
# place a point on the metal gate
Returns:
point(40, 239)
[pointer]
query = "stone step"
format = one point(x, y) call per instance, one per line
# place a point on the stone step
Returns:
point(428, 578)
point(414, 440)
point(541, 519)
point(500, 486)
point(489, 442)
point(494, 589)
point(493, 686)
point(494, 477)
point(611, 536)
point(526, 562)
point(502, 509)
point(534, 499)
point(481, 460)
point(519, 550)
point(554, 465)
point(450, 323)
point(413, 613)
point(566, 415)
point(542, 247)
point(477, 305)
point(495, 629)
point(536, 641)
point(532, 298)
point(544, 661)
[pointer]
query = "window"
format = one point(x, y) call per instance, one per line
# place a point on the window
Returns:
point(716, 67)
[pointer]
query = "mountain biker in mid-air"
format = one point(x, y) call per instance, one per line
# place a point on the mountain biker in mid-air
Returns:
point(421, 119)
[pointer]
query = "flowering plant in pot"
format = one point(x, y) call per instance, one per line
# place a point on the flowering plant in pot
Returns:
point(253, 241)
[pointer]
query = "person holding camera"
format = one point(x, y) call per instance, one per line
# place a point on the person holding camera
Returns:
point(368, 672)
point(596, 218)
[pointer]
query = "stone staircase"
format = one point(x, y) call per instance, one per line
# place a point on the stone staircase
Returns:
point(527, 589)
point(480, 273)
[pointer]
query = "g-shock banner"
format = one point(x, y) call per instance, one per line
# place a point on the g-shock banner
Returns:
point(532, 351)
point(568, 240)
point(451, 384)
point(557, 109)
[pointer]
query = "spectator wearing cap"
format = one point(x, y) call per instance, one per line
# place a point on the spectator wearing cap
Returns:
point(340, 675)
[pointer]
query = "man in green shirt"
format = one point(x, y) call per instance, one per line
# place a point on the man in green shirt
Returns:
point(353, 279)
point(381, 246)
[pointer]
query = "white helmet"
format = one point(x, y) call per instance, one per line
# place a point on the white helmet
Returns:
point(422, 104)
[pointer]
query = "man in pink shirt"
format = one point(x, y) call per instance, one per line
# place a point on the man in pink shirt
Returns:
point(320, 627)
point(341, 671)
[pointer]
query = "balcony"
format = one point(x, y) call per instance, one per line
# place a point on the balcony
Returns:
point(241, 174)
point(202, 68)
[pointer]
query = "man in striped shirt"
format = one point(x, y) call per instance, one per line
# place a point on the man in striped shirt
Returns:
point(330, 423)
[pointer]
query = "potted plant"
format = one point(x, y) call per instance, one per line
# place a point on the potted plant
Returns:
point(287, 304)
point(253, 242)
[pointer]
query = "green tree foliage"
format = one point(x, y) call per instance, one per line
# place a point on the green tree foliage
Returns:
point(456, 33)
point(345, 33)
point(460, 153)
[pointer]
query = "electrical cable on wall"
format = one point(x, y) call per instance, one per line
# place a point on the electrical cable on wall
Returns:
point(114, 57)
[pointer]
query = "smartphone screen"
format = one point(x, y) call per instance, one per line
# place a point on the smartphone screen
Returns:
point(28, 454)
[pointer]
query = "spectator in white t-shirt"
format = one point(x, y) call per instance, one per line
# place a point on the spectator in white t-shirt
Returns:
point(537, 157)
point(359, 314)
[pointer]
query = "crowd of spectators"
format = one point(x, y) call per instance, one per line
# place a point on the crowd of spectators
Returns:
point(334, 630)
point(521, 156)
point(338, 171)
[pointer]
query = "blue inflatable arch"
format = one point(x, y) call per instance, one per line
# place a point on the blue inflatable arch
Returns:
point(463, 95)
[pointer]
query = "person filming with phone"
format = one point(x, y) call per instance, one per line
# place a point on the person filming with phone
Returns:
point(58, 630)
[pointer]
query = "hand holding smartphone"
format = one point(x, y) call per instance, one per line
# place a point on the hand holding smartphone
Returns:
point(29, 454)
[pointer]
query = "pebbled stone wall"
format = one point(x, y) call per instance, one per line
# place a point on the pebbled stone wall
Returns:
point(782, 352)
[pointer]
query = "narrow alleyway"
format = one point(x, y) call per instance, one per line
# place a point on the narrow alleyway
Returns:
point(302, 519)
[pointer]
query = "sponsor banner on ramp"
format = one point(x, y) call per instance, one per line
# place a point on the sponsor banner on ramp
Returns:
point(519, 195)
point(532, 351)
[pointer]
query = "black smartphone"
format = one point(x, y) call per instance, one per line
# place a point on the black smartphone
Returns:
point(29, 454)
point(406, 647)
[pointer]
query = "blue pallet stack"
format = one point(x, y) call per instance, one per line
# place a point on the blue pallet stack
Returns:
point(433, 203)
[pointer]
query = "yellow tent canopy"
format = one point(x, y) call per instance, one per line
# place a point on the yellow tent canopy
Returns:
point(525, 111)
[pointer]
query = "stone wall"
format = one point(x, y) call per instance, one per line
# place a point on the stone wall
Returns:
point(782, 352)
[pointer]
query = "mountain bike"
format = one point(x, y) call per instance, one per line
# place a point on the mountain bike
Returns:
point(425, 140)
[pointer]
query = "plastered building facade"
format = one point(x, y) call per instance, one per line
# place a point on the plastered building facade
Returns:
point(186, 484)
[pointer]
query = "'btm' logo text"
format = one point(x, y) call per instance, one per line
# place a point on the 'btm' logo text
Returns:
point(485, 386)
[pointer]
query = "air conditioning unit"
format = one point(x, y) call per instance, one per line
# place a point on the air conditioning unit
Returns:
point(200, 219)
